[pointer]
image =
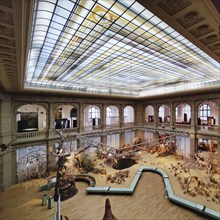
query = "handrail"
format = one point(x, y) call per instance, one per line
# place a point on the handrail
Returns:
point(32, 134)
point(41, 135)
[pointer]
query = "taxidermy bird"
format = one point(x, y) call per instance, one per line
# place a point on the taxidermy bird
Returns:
point(108, 212)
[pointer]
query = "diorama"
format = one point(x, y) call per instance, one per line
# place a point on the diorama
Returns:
point(193, 177)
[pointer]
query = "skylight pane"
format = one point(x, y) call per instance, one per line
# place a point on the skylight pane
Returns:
point(138, 8)
point(155, 20)
point(44, 5)
point(62, 12)
point(59, 19)
point(68, 5)
point(55, 25)
point(147, 14)
point(162, 25)
point(79, 50)
point(42, 22)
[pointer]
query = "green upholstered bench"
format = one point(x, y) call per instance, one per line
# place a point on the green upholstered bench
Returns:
point(45, 186)
point(212, 213)
point(98, 189)
point(161, 172)
point(115, 190)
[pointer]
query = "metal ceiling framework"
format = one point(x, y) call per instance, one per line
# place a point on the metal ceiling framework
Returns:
point(117, 48)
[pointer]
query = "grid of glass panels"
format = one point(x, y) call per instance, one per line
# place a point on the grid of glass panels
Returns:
point(112, 47)
point(205, 110)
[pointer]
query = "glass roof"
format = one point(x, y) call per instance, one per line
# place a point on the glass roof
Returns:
point(112, 47)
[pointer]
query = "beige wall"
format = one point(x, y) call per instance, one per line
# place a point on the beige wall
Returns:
point(10, 103)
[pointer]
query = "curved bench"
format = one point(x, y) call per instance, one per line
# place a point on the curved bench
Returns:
point(195, 206)
point(87, 178)
point(80, 177)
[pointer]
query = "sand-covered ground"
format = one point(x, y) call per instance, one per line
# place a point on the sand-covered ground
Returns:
point(147, 159)
point(149, 201)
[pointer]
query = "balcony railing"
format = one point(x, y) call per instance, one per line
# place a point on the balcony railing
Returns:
point(31, 135)
point(208, 129)
point(112, 126)
point(182, 126)
point(52, 134)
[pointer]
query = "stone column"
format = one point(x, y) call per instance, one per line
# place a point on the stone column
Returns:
point(51, 161)
point(103, 116)
point(194, 116)
point(218, 153)
point(8, 132)
point(156, 115)
point(8, 169)
point(172, 115)
point(139, 116)
point(104, 139)
point(122, 139)
point(81, 118)
point(155, 135)
point(139, 134)
point(193, 144)
point(121, 116)
point(219, 118)
point(51, 116)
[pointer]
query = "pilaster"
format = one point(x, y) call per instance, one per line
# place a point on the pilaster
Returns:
point(104, 139)
point(103, 116)
point(156, 116)
point(172, 114)
point(194, 116)
point(193, 144)
point(51, 116)
point(81, 118)
point(7, 131)
point(139, 116)
point(7, 169)
point(218, 153)
point(121, 116)
point(122, 139)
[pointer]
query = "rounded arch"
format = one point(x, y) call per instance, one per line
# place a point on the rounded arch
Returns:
point(149, 113)
point(164, 114)
point(63, 117)
point(31, 117)
point(112, 115)
point(128, 114)
point(183, 113)
point(208, 113)
point(74, 117)
point(92, 115)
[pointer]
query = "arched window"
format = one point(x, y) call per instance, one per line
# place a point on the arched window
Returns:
point(93, 112)
point(108, 112)
point(164, 114)
point(128, 114)
point(149, 114)
point(31, 117)
point(183, 113)
point(205, 110)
